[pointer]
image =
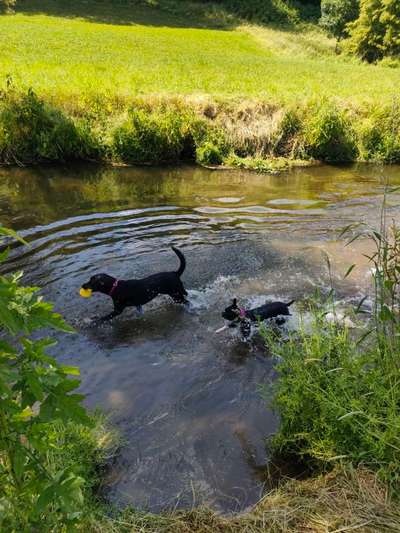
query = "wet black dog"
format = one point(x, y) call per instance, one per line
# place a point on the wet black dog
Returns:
point(245, 317)
point(137, 292)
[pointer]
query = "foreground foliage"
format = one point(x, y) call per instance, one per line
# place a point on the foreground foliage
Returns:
point(39, 411)
point(337, 393)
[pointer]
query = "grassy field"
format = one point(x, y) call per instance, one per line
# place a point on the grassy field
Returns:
point(133, 49)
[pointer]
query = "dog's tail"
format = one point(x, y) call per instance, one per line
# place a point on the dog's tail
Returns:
point(290, 303)
point(182, 259)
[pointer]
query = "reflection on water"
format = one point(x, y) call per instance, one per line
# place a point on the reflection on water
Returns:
point(185, 399)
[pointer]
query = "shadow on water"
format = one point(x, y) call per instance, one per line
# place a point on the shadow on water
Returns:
point(185, 399)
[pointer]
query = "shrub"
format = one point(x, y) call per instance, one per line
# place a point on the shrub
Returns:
point(286, 141)
point(33, 131)
point(151, 137)
point(211, 145)
point(380, 135)
point(329, 136)
point(391, 62)
point(36, 397)
point(336, 14)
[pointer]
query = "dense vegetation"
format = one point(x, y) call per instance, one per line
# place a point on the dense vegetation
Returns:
point(338, 393)
point(43, 427)
point(171, 130)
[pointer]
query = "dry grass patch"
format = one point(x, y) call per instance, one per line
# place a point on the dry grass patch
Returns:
point(336, 502)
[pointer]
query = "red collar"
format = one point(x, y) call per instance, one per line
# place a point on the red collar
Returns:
point(115, 285)
point(242, 312)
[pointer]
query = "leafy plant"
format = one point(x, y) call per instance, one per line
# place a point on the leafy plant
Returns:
point(151, 136)
point(35, 393)
point(31, 130)
point(329, 136)
point(380, 135)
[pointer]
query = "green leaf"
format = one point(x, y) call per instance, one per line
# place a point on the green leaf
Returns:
point(34, 385)
point(11, 233)
point(45, 499)
point(349, 270)
point(358, 308)
point(363, 337)
point(71, 370)
point(19, 460)
point(357, 236)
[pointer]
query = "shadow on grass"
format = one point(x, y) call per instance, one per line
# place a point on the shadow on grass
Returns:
point(158, 13)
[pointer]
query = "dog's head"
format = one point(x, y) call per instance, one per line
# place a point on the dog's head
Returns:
point(232, 312)
point(99, 283)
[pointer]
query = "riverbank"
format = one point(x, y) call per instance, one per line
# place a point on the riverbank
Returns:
point(152, 130)
point(82, 82)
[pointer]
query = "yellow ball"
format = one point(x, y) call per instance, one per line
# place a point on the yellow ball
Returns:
point(85, 293)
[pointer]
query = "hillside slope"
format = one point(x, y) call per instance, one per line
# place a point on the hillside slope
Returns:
point(126, 50)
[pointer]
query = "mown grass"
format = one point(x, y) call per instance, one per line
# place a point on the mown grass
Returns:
point(86, 48)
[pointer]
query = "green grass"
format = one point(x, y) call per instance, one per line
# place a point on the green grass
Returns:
point(127, 50)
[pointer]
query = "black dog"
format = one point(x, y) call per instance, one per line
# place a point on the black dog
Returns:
point(244, 317)
point(136, 292)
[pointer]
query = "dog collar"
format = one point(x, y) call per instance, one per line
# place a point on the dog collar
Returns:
point(115, 285)
point(242, 312)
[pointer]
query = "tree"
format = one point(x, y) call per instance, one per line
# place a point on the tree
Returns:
point(7, 5)
point(376, 32)
point(336, 14)
point(390, 19)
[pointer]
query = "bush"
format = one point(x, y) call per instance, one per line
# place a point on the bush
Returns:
point(152, 137)
point(329, 136)
point(336, 14)
point(380, 136)
point(37, 397)
point(33, 131)
point(286, 141)
point(211, 145)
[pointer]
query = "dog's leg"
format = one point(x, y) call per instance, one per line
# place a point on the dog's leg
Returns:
point(117, 311)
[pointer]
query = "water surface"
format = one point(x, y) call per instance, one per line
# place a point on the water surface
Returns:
point(186, 400)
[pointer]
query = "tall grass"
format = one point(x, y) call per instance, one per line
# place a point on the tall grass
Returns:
point(254, 135)
point(338, 392)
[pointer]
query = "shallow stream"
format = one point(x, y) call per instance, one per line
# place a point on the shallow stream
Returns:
point(186, 400)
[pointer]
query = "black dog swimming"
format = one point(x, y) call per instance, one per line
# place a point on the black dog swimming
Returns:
point(245, 317)
point(137, 292)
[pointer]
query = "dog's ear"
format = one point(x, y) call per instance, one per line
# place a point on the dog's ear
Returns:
point(234, 303)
